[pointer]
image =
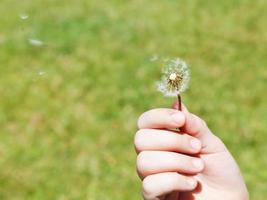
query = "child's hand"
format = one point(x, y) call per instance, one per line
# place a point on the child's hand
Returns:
point(191, 166)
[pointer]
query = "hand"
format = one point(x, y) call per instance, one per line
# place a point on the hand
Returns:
point(192, 164)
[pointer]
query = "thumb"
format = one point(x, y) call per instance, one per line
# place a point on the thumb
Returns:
point(198, 128)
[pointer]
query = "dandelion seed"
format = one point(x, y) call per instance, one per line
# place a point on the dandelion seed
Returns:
point(154, 58)
point(175, 78)
point(41, 73)
point(35, 42)
point(24, 16)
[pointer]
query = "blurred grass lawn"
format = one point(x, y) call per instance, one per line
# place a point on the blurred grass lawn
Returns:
point(67, 134)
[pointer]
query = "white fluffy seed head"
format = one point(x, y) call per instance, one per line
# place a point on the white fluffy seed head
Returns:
point(175, 77)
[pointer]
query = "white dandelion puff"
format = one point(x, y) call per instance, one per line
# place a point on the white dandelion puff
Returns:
point(35, 42)
point(175, 78)
point(24, 16)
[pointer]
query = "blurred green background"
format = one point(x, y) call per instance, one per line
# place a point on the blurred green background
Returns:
point(69, 103)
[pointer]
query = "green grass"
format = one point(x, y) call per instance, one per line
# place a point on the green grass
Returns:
point(68, 134)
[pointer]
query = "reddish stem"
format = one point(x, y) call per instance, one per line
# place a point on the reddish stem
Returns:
point(179, 102)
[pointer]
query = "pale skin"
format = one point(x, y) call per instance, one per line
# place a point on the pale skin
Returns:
point(192, 164)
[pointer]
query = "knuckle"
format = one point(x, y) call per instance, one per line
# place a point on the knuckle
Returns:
point(147, 187)
point(204, 123)
point(216, 139)
point(138, 140)
point(199, 123)
point(218, 144)
point(143, 117)
point(142, 161)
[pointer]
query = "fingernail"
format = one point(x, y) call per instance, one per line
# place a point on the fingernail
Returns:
point(195, 144)
point(197, 163)
point(191, 181)
point(178, 117)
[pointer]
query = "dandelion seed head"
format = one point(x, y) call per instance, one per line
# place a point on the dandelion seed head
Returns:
point(175, 77)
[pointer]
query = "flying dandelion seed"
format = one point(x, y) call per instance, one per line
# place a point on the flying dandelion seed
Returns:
point(154, 58)
point(35, 42)
point(24, 16)
point(41, 73)
point(175, 78)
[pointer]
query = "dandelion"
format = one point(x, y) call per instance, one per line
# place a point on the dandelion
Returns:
point(35, 42)
point(175, 78)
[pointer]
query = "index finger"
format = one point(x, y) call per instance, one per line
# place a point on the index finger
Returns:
point(161, 118)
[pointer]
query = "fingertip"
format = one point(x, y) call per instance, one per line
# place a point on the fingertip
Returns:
point(198, 164)
point(192, 183)
point(196, 144)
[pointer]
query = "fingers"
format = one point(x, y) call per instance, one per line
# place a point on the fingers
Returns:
point(163, 140)
point(152, 162)
point(161, 118)
point(161, 184)
point(159, 164)
point(198, 128)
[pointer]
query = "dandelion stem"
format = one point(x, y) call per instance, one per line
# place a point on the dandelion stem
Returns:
point(179, 102)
